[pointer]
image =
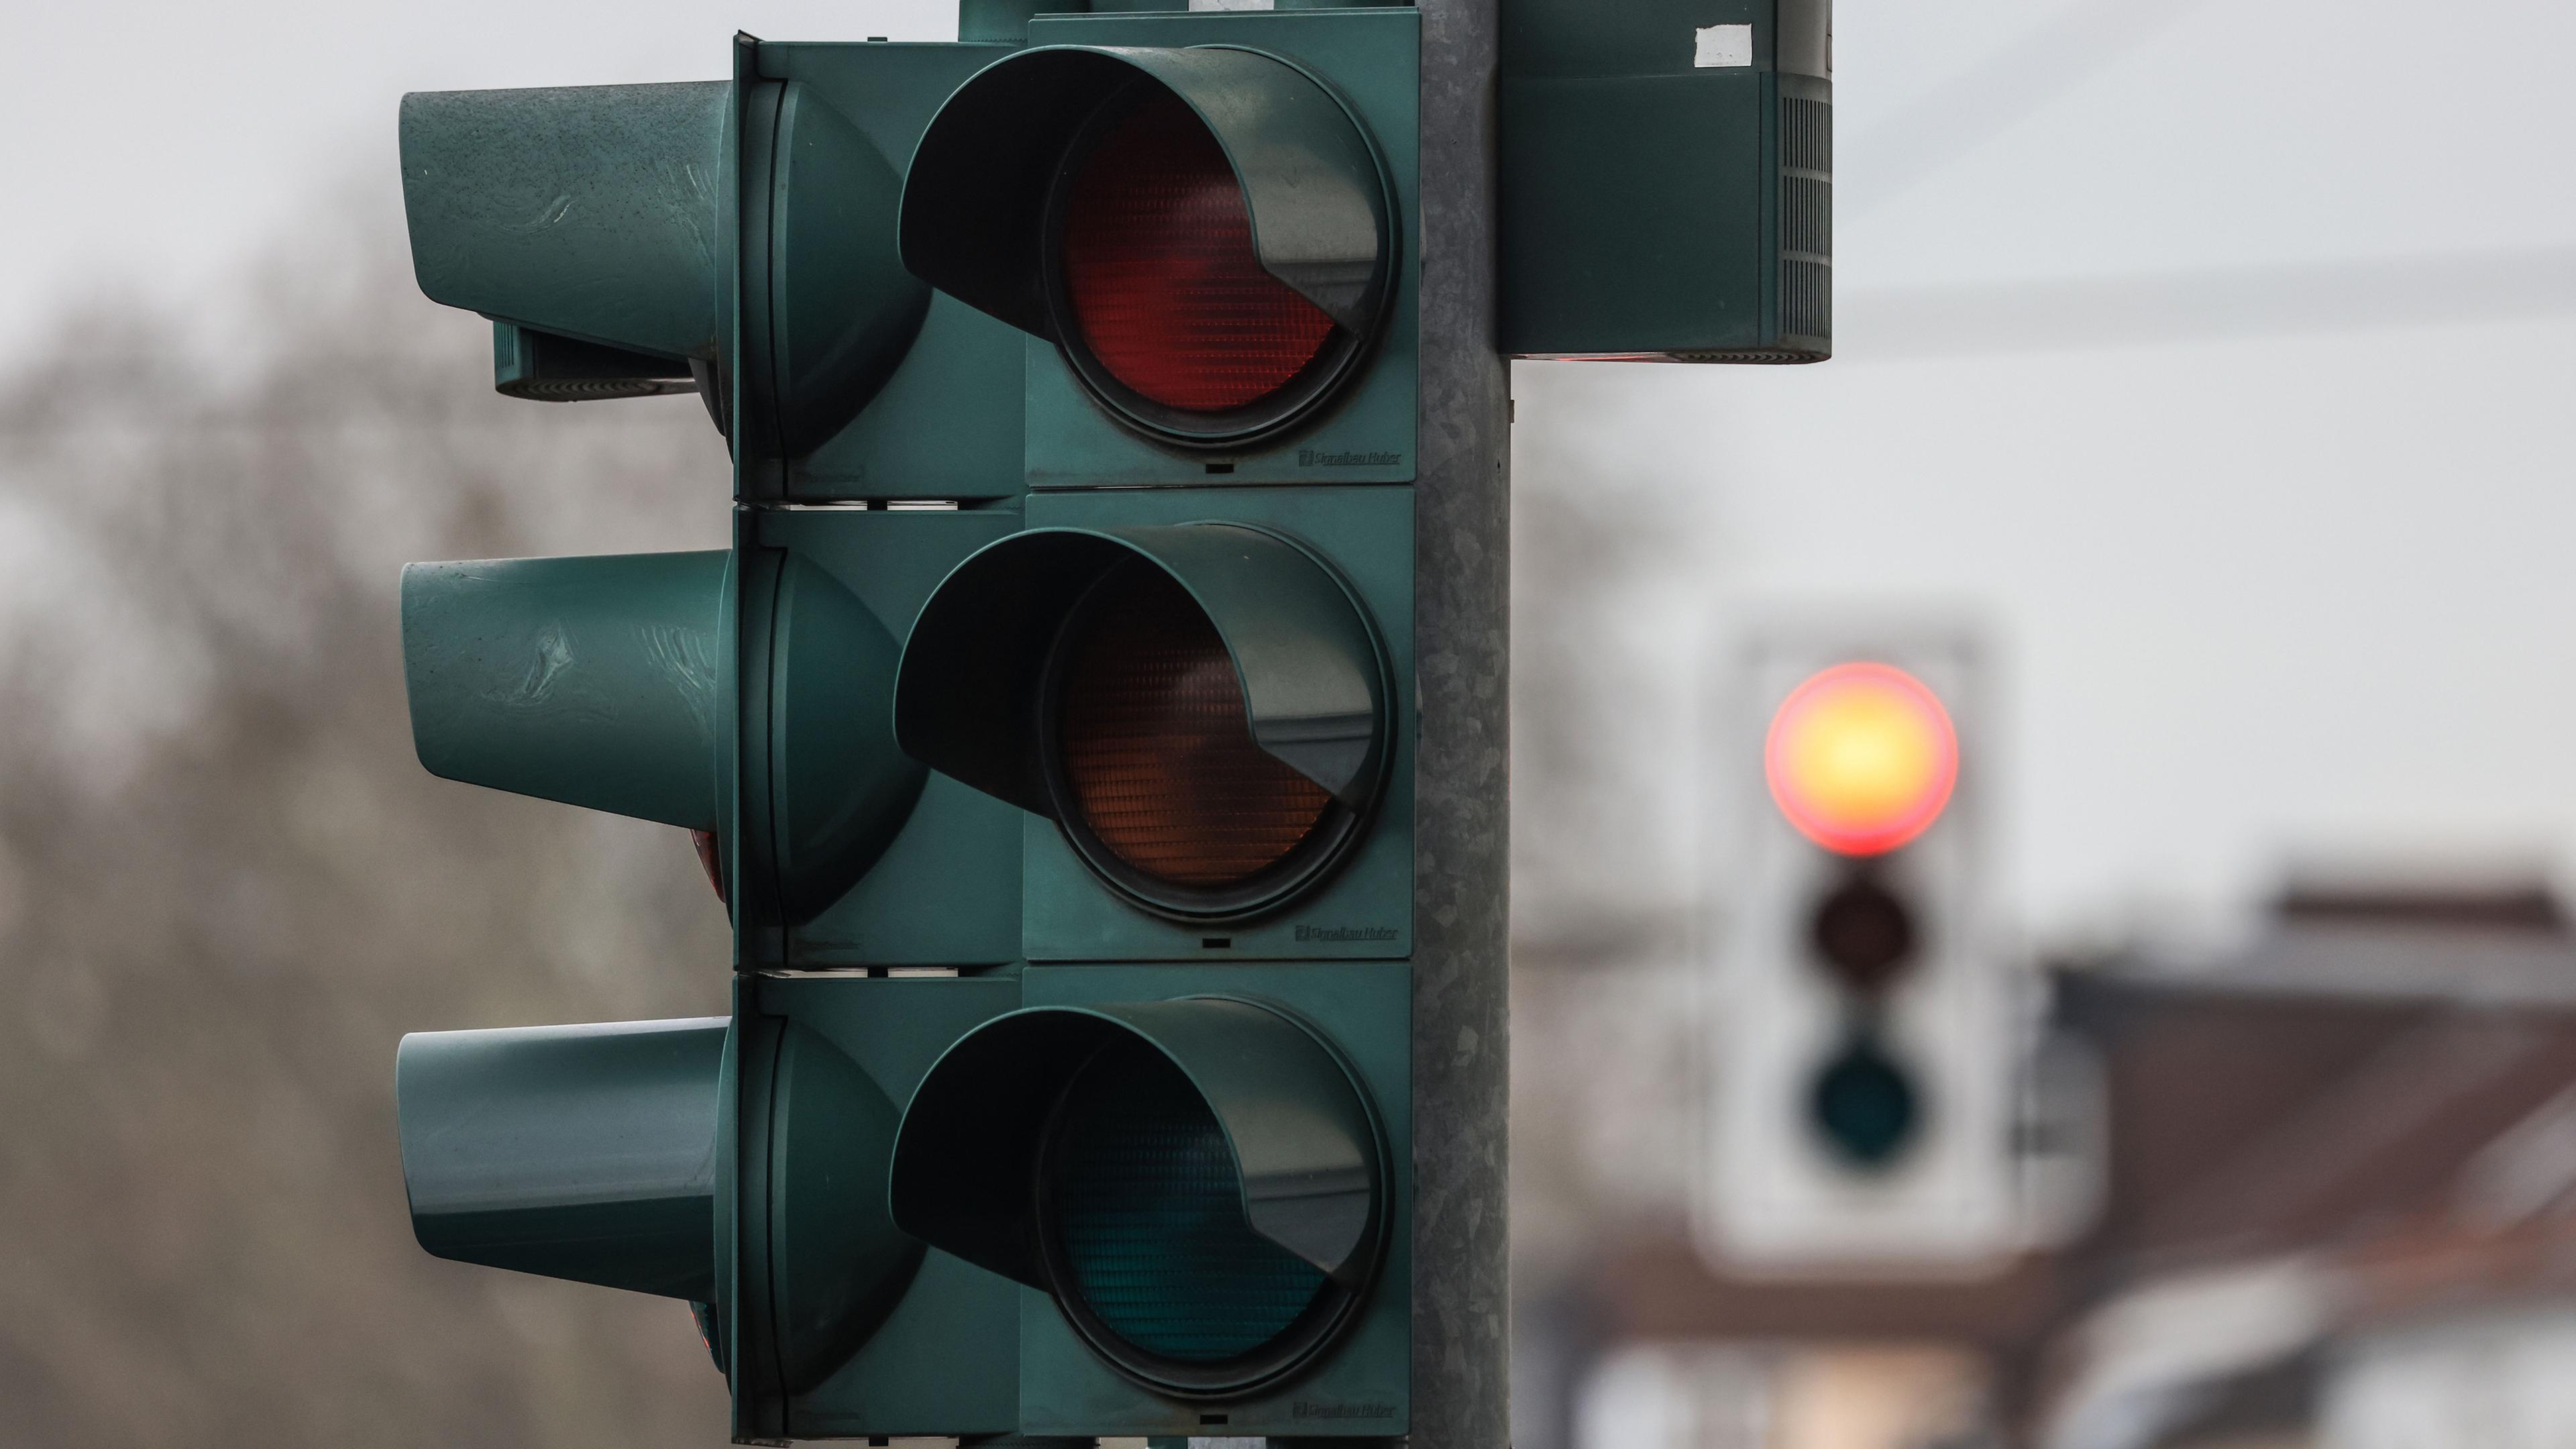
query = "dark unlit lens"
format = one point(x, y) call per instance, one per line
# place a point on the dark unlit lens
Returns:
point(1864, 935)
point(1166, 289)
point(1864, 1105)
point(1157, 747)
point(1149, 1213)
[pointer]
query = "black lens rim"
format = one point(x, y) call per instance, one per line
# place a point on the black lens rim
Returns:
point(1307, 863)
point(1304, 394)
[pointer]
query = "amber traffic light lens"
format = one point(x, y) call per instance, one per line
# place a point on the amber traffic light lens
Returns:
point(1864, 935)
point(1165, 288)
point(1157, 750)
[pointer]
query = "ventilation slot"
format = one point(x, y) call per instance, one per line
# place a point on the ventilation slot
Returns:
point(1806, 217)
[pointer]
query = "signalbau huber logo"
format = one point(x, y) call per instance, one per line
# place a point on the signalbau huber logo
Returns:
point(1346, 933)
point(1306, 1410)
point(1318, 458)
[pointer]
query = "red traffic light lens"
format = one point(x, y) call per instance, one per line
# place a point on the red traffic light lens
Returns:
point(1861, 758)
point(1165, 288)
point(1157, 747)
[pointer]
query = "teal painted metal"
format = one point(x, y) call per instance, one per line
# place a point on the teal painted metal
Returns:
point(825, 789)
point(826, 309)
point(945, 424)
point(945, 888)
point(1262, 82)
point(591, 211)
point(943, 1359)
point(592, 681)
point(837, 1264)
point(1667, 180)
point(580, 1152)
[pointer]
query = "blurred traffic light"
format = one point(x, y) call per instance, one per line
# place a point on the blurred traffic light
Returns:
point(1864, 1065)
point(1861, 758)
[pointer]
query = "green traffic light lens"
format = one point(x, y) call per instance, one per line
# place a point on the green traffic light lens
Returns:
point(1865, 1106)
point(1149, 1220)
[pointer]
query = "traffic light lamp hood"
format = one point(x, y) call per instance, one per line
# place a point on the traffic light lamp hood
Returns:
point(592, 1153)
point(599, 681)
point(617, 234)
point(1206, 233)
point(1218, 1143)
point(579, 1152)
point(593, 681)
point(1241, 631)
point(588, 212)
point(975, 202)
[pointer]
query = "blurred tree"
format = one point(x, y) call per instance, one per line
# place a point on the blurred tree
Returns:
point(227, 887)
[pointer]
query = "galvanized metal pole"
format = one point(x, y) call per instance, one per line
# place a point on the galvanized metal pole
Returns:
point(1462, 628)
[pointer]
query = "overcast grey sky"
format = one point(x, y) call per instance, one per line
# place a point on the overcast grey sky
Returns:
point(2257, 595)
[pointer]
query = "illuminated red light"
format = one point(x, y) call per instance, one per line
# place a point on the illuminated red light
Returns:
point(1165, 287)
point(1861, 758)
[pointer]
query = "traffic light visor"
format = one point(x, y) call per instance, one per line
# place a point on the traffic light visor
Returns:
point(579, 1152)
point(585, 212)
point(1199, 1183)
point(1205, 233)
point(1202, 708)
point(587, 680)
point(1861, 758)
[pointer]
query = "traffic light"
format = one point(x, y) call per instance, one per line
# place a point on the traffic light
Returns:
point(1863, 1062)
point(1861, 759)
point(1710, 242)
point(1050, 728)
point(1065, 826)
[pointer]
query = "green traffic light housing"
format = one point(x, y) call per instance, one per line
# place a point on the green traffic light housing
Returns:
point(1200, 1184)
point(1205, 233)
point(1203, 708)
